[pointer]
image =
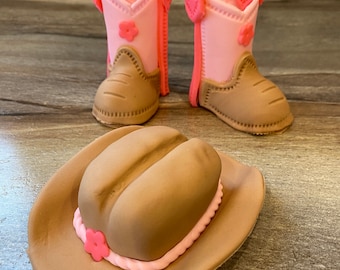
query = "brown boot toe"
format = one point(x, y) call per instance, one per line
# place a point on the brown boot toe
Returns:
point(248, 102)
point(128, 95)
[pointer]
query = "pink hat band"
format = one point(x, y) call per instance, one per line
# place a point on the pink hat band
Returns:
point(95, 243)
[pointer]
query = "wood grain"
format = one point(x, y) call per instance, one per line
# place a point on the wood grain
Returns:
point(52, 58)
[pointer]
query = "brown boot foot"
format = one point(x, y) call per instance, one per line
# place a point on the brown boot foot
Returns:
point(128, 95)
point(248, 102)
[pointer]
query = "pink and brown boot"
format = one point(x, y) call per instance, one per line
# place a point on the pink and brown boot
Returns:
point(225, 78)
point(137, 34)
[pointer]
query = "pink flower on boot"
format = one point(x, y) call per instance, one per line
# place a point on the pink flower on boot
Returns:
point(246, 34)
point(128, 30)
point(96, 245)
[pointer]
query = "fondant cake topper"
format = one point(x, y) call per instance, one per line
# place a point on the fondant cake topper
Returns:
point(144, 198)
point(225, 78)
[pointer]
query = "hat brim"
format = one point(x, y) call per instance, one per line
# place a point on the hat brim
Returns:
point(53, 243)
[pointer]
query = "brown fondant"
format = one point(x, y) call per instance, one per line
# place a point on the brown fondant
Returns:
point(161, 207)
point(128, 95)
point(53, 243)
point(248, 102)
point(117, 166)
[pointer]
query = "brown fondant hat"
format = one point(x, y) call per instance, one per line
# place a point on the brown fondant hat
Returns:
point(144, 190)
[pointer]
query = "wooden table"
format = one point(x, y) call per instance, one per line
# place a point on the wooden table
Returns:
point(52, 58)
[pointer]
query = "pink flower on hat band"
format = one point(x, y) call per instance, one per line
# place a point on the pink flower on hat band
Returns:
point(246, 34)
point(96, 245)
point(128, 30)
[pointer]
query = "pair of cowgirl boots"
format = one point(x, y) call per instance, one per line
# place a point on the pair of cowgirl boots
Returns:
point(225, 77)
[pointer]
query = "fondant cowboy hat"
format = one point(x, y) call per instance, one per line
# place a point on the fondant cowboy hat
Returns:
point(144, 198)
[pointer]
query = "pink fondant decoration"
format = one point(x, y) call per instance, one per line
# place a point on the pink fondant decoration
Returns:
point(98, 4)
point(162, 22)
point(166, 4)
point(171, 255)
point(196, 73)
point(246, 34)
point(156, 36)
point(144, 15)
point(128, 30)
point(242, 4)
point(196, 12)
point(216, 47)
point(96, 245)
point(220, 32)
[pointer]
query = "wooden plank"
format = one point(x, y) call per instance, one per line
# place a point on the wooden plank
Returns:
point(61, 49)
point(52, 59)
point(296, 229)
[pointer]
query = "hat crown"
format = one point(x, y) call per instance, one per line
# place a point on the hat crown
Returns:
point(147, 190)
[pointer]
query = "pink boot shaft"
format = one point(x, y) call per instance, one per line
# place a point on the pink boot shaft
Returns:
point(223, 46)
point(126, 25)
point(137, 34)
point(225, 77)
point(150, 18)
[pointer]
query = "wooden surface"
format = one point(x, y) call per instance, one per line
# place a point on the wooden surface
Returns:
point(52, 58)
